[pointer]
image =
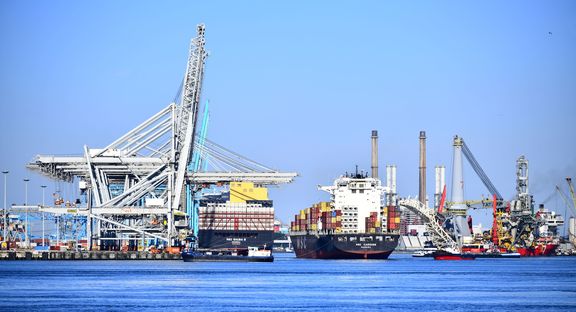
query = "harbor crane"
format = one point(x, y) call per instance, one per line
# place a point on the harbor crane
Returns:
point(138, 187)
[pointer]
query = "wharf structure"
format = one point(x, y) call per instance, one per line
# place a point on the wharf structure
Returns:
point(143, 188)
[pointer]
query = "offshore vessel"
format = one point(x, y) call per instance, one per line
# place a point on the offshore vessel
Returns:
point(354, 225)
point(231, 222)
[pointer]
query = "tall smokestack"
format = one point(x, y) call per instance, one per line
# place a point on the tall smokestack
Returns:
point(375, 154)
point(422, 189)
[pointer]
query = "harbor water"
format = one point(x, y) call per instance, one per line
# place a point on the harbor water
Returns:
point(401, 283)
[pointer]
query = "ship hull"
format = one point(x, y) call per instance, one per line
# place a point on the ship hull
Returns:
point(189, 256)
point(543, 250)
point(445, 255)
point(344, 246)
point(234, 240)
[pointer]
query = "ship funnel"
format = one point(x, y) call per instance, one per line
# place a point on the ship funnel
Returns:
point(375, 154)
point(422, 188)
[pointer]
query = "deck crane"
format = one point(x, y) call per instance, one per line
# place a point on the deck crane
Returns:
point(569, 181)
point(459, 207)
point(566, 204)
point(565, 199)
point(479, 171)
point(572, 235)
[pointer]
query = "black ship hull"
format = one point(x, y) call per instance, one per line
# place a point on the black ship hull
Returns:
point(344, 246)
point(191, 256)
point(234, 240)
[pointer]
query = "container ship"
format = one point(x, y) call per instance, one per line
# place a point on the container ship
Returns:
point(233, 221)
point(353, 225)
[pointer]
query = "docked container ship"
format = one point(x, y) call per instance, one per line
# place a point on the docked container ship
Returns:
point(353, 225)
point(235, 220)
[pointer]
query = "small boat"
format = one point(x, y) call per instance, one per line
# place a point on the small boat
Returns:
point(445, 255)
point(254, 255)
point(423, 253)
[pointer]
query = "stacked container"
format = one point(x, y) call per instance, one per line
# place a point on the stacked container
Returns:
point(372, 224)
point(252, 215)
point(393, 220)
point(318, 218)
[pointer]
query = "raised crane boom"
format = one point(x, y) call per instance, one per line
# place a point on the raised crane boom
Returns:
point(183, 140)
point(479, 171)
point(569, 181)
point(573, 208)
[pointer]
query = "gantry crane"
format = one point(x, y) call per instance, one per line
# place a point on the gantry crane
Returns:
point(139, 186)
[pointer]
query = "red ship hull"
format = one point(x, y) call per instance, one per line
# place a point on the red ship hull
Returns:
point(442, 255)
point(542, 250)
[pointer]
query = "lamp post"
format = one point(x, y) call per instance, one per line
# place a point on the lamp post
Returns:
point(43, 236)
point(27, 238)
point(5, 234)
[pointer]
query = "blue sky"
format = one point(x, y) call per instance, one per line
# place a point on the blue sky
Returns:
point(299, 86)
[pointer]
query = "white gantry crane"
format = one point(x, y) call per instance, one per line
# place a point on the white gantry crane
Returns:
point(136, 186)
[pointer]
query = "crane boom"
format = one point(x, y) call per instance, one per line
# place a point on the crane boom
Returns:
point(479, 171)
point(185, 131)
point(566, 200)
point(569, 181)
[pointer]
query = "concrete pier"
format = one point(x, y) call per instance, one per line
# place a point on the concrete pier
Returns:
point(85, 255)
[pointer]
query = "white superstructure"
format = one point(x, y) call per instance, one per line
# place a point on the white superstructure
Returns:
point(357, 196)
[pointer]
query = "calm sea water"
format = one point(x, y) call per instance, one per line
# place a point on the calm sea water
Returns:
point(401, 283)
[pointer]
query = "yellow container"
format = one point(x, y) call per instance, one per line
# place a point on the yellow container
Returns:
point(372, 230)
point(338, 218)
point(333, 220)
point(314, 227)
point(338, 230)
point(397, 220)
point(324, 206)
point(242, 191)
point(377, 223)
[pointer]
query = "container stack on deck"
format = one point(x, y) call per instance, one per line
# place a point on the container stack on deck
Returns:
point(392, 214)
point(235, 220)
point(319, 214)
point(372, 223)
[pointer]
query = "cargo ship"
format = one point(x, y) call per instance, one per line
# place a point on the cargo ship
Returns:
point(353, 225)
point(234, 220)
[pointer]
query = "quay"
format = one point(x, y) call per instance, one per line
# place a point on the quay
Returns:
point(86, 255)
